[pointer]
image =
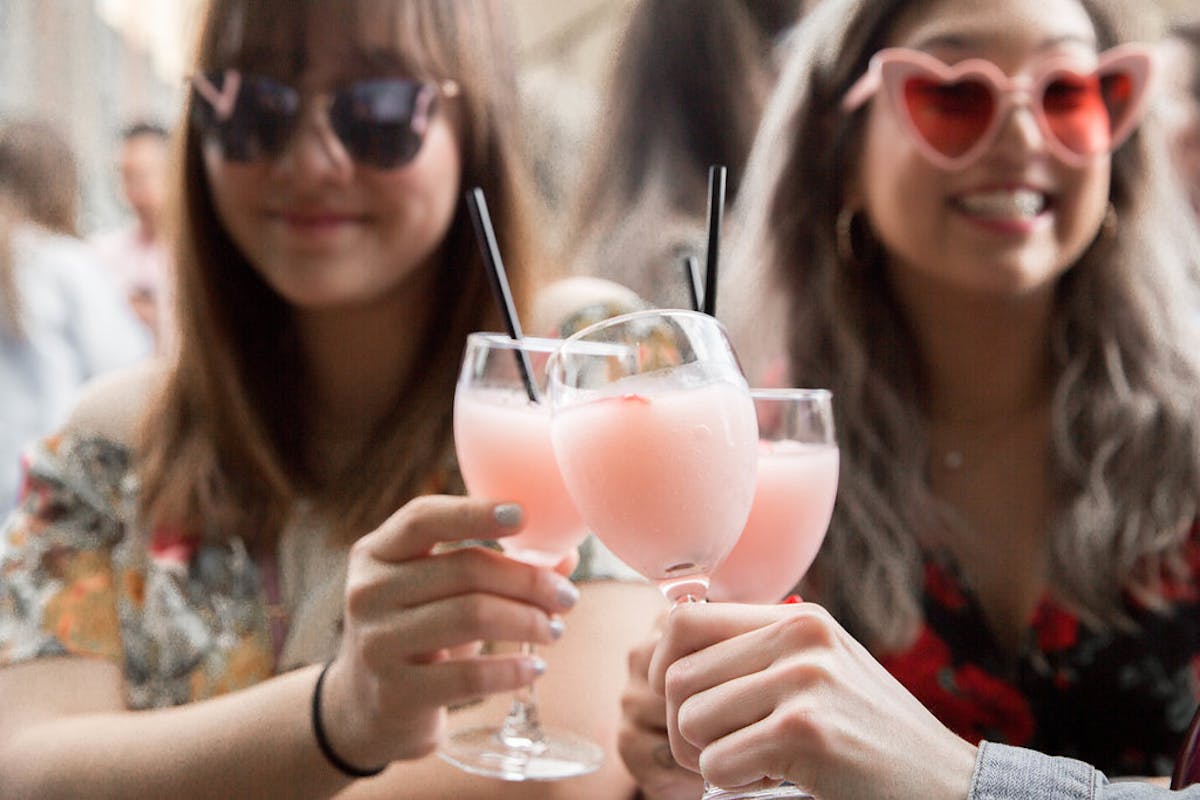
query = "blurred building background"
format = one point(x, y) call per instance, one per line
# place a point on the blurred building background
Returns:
point(91, 67)
point(94, 66)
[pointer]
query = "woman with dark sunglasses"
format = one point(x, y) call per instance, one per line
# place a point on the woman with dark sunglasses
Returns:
point(966, 235)
point(208, 533)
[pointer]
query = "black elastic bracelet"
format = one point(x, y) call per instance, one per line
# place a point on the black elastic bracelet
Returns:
point(323, 743)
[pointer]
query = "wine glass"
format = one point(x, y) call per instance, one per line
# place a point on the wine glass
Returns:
point(656, 437)
point(793, 497)
point(502, 438)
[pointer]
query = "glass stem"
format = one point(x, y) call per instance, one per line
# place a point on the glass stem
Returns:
point(522, 730)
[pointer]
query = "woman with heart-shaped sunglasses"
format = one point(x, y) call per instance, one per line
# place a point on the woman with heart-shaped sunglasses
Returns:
point(958, 217)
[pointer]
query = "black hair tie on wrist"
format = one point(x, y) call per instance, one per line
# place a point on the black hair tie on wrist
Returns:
point(323, 742)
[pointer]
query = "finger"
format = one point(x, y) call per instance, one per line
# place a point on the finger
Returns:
point(766, 749)
point(454, 621)
point(642, 707)
point(648, 758)
point(424, 522)
point(702, 648)
point(639, 658)
point(694, 626)
point(374, 587)
point(686, 754)
point(453, 682)
point(707, 716)
point(568, 564)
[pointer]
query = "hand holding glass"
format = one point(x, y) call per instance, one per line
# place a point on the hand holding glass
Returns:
point(502, 438)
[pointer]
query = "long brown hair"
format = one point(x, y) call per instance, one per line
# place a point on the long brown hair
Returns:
point(224, 443)
point(1123, 347)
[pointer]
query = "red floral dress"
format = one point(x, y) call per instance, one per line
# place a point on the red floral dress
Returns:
point(1119, 700)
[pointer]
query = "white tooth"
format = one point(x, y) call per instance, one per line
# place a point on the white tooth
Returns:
point(1022, 203)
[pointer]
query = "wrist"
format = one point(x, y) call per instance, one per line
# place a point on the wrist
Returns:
point(321, 734)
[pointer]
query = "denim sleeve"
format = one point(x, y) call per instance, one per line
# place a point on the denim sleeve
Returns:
point(1014, 773)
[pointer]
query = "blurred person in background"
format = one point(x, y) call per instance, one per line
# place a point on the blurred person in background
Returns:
point(138, 254)
point(62, 320)
point(687, 88)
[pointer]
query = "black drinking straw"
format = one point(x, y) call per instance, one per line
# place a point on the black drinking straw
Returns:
point(691, 272)
point(498, 278)
point(716, 207)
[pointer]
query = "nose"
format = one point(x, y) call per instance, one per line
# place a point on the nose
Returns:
point(315, 151)
point(1019, 133)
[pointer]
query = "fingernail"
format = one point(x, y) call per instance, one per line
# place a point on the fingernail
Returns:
point(508, 514)
point(557, 626)
point(538, 666)
point(566, 593)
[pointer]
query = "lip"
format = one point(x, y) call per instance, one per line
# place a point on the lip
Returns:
point(305, 220)
point(314, 227)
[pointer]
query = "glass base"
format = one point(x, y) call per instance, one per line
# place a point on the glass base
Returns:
point(757, 792)
point(559, 754)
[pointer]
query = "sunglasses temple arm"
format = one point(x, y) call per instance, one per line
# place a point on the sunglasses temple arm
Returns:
point(863, 89)
point(222, 101)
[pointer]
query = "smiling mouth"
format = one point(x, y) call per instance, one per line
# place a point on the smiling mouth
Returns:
point(1016, 204)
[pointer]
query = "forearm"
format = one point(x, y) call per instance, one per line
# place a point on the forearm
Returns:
point(1013, 773)
point(252, 743)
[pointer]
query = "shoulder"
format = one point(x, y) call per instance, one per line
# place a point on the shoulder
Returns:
point(566, 305)
point(111, 406)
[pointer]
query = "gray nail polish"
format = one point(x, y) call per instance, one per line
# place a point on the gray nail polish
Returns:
point(557, 626)
point(508, 514)
point(566, 594)
point(538, 666)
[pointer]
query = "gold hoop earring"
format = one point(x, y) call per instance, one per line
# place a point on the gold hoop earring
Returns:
point(843, 229)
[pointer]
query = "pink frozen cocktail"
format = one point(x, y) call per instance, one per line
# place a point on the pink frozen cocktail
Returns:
point(504, 452)
point(793, 499)
point(663, 476)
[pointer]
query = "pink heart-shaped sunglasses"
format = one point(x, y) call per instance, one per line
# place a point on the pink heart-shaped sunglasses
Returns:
point(954, 113)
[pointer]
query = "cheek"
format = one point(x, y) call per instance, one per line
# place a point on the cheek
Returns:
point(899, 188)
point(428, 192)
point(1084, 208)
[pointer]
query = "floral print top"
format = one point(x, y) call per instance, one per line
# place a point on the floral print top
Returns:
point(1119, 700)
point(185, 620)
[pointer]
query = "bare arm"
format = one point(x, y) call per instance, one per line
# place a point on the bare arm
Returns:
point(409, 614)
point(82, 742)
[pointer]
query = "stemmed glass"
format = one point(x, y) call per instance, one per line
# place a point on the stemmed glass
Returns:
point(656, 437)
point(502, 438)
point(793, 498)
